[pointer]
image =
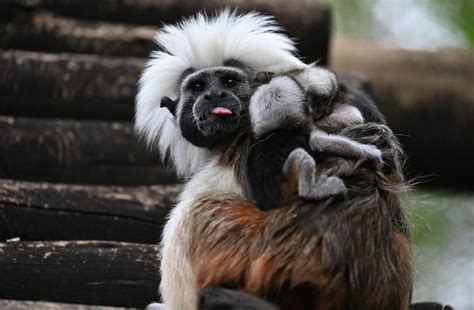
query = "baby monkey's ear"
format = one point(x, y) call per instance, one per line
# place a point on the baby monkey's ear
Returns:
point(263, 77)
point(170, 104)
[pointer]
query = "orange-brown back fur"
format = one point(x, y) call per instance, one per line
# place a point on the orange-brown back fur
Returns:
point(353, 251)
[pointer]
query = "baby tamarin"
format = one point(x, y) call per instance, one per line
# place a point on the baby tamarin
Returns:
point(288, 115)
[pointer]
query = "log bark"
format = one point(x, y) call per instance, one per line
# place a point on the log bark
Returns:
point(40, 31)
point(77, 152)
point(309, 21)
point(77, 86)
point(427, 98)
point(80, 212)
point(84, 272)
point(65, 85)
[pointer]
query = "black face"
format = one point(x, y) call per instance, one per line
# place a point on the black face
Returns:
point(213, 105)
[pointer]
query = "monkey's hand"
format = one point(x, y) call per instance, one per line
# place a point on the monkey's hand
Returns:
point(336, 145)
point(301, 167)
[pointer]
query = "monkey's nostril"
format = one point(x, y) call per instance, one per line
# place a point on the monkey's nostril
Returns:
point(223, 95)
point(207, 97)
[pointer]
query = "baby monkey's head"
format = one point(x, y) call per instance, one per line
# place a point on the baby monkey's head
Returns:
point(213, 105)
point(296, 99)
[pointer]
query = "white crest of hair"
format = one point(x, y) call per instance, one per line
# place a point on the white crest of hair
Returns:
point(276, 103)
point(200, 42)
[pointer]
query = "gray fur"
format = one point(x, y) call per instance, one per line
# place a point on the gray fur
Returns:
point(310, 185)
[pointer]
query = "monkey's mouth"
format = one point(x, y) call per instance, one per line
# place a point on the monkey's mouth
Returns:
point(221, 112)
point(223, 119)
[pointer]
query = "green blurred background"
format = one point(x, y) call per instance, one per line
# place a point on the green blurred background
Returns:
point(442, 221)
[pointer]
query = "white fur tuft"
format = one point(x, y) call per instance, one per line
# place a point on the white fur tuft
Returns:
point(200, 42)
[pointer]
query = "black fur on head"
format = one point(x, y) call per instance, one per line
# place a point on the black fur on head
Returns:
point(201, 93)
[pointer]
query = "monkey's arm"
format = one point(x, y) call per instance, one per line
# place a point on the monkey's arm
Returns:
point(337, 145)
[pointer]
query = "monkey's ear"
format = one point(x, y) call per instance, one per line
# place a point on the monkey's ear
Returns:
point(263, 77)
point(170, 104)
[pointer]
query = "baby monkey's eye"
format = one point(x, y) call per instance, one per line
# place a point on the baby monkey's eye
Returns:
point(229, 82)
point(197, 86)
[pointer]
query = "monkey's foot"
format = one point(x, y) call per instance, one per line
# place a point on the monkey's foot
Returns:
point(321, 188)
point(301, 165)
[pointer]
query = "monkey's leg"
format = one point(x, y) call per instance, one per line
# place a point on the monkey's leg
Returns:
point(301, 165)
point(335, 145)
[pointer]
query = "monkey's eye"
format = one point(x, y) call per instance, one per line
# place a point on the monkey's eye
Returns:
point(196, 86)
point(229, 82)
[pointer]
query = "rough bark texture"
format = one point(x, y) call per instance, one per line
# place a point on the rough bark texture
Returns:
point(309, 21)
point(50, 33)
point(44, 211)
point(68, 85)
point(427, 98)
point(77, 152)
point(84, 272)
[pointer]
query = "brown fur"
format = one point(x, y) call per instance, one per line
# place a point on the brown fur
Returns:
point(332, 254)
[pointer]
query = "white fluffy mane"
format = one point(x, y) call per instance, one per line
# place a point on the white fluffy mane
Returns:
point(200, 42)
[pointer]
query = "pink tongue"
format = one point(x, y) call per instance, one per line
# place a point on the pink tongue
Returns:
point(221, 111)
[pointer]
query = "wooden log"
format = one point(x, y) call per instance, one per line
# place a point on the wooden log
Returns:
point(46, 32)
point(9, 304)
point(308, 21)
point(65, 85)
point(77, 86)
point(77, 152)
point(84, 272)
point(79, 212)
point(427, 98)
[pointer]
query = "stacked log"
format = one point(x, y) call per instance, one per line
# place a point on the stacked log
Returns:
point(83, 272)
point(309, 21)
point(34, 211)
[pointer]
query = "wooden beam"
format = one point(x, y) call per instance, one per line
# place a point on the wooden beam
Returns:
point(427, 98)
point(43, 211)
point(41, 31)
point(308, 21)
point(83, 272)
point(77, 152)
